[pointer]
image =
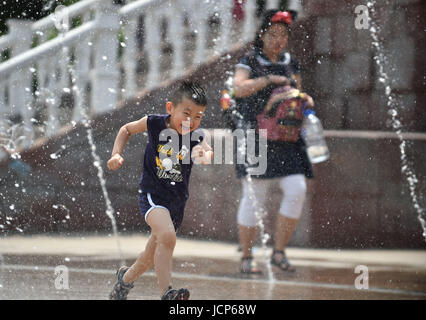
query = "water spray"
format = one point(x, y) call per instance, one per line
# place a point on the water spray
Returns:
point(62, 24)
point(237, 120)
point(392, 104)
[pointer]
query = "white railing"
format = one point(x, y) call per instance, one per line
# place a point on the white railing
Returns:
point(97, 62)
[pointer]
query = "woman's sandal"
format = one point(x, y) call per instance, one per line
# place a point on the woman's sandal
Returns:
point(283, 263)
point(248, 266)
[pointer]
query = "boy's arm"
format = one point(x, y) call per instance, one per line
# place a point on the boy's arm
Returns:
point(123, 136)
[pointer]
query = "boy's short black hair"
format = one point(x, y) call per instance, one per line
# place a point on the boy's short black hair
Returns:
point(191, 90)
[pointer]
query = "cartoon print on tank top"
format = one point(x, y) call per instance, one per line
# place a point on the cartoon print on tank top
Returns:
point(166, 169)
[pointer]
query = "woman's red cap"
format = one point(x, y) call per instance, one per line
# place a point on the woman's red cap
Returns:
point(282, 16)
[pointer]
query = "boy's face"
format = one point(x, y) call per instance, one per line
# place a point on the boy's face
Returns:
point(185, 116)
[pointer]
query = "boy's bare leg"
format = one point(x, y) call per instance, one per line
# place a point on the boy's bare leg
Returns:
point(162, 228)
point(144, 262)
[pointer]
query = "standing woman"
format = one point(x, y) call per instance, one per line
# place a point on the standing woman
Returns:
point(266, 67)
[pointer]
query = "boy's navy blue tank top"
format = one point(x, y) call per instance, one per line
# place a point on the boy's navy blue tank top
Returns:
point(167, 162)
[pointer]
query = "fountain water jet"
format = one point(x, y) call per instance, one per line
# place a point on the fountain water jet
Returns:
point(392, 104)
point(62, 24)
point(239, 122)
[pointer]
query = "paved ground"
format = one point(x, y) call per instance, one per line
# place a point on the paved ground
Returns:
point(208, 269)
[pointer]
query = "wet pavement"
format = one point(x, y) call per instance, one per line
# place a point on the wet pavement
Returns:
point(82, 268)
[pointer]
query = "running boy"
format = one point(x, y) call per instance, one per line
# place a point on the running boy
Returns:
point(164, 183)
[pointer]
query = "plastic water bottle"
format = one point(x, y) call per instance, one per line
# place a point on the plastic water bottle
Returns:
point(314, 137)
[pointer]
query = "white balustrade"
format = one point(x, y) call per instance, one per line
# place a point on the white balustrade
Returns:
point(52, 100)
point(87, 55)
point(130, 57)
point(177, 35)
point(250, 23)
point(81, 78)
point(105, 75)
point(152, 47)
point(5, 43)
point(225, 14)
point(272, 4)
point(4, 108)
point(80, 8)
point(20, 31)
point(42, 71)
point(47, 61)
point(296, 5)
point(201, 36)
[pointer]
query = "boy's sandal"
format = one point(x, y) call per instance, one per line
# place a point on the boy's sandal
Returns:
point(248, 266)
point(283, 263)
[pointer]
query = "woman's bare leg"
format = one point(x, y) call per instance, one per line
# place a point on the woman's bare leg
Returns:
point(247, 237)
point(283, 231)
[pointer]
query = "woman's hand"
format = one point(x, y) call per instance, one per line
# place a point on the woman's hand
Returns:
point(309, 101)
point(115, 162)
point(292, 93)
point(245, 86)
point(278, 80)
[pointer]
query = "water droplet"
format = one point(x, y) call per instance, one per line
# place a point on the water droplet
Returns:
point(392, 112)
point(396, 124)
point(388, 90)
